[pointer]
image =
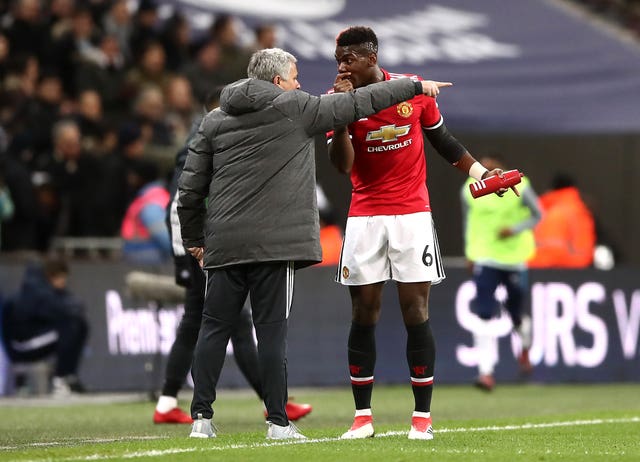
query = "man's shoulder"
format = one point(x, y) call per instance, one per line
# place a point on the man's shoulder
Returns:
point(291, 99)
point(214, 114)
point(211, 119)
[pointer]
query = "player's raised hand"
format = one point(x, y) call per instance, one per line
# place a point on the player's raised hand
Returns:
point(432, 87)
point(342, 84)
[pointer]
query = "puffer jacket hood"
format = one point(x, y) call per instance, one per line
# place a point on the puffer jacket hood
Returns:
point(247, 95)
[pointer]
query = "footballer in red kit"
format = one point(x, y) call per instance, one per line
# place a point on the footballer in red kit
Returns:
point(389, 169)
point(389, 233)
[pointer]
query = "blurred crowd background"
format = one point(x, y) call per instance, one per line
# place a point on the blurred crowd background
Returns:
point(97, 97)
point(624, 13)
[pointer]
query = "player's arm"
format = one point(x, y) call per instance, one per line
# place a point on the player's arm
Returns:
point(452, 150)
point(341, 151)
point(455, 153)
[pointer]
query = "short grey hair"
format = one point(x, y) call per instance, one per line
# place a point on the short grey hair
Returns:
point(266, 64)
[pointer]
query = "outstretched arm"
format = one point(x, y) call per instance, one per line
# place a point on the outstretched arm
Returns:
point(322, 114)
point(341, 151)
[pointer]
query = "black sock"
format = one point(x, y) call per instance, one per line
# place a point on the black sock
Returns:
point(362, 360)
point(421, 355)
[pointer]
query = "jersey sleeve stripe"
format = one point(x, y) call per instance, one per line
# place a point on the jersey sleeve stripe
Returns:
point(394, 76)
point(433, 127)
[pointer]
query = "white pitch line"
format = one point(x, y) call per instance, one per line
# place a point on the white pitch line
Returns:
point(69, 441)
point(494, 428)
point(165, 452)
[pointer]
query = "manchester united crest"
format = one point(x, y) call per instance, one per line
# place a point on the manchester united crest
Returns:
point(404, 109)
point(345, 272)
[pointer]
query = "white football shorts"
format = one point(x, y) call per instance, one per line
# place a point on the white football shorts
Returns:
point(403, 248)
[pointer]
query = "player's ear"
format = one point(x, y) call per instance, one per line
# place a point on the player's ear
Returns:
point(276, 80)
point(373, 59)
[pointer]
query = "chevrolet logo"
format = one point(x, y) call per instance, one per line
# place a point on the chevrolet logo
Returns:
point(388, 133)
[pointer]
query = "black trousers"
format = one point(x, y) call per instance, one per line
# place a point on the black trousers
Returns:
point(270, 286)
point(181, 354)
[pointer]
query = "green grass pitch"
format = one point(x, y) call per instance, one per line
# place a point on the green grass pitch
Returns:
point(513, 423)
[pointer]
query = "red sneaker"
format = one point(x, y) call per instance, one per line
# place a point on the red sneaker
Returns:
point(362, 428)
point(523, 361)
point(421, 428)
point(174, 416)
point(297, 411)
point(485, 382)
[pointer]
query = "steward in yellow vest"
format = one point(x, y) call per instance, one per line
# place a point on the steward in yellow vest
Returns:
point(498, 233)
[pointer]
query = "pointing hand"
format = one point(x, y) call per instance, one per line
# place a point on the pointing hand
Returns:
point(432, 87)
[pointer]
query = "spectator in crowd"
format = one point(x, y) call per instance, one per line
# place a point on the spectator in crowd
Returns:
point(74, 174)
point(60, 18)
point(145, 28)
point(45, 318)
point(19, 85)
point(160, 141)
point(566, 235)
point(189, 275)
point(90, 119)
point(72, 47)
point(105, 73)
point(265, 36)
point(205, 71)
point(40, 115)
point(498, 242)
point(148, 71)
point(117, 23)
point(390, 233)
point(145, 234)
point(233, 56)
point(181, 108)
point(264, 149)
point(118, 184)
point(176, 40)
point(17, 94)
point(27, 33)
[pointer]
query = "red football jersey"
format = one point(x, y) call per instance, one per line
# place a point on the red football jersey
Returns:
point(389, 171)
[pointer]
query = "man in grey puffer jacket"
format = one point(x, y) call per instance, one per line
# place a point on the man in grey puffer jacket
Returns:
point(253, 161)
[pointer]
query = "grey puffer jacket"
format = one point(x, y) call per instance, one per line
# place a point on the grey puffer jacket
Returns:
point(253, 160)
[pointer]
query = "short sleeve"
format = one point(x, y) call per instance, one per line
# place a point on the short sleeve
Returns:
point(430, 117)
